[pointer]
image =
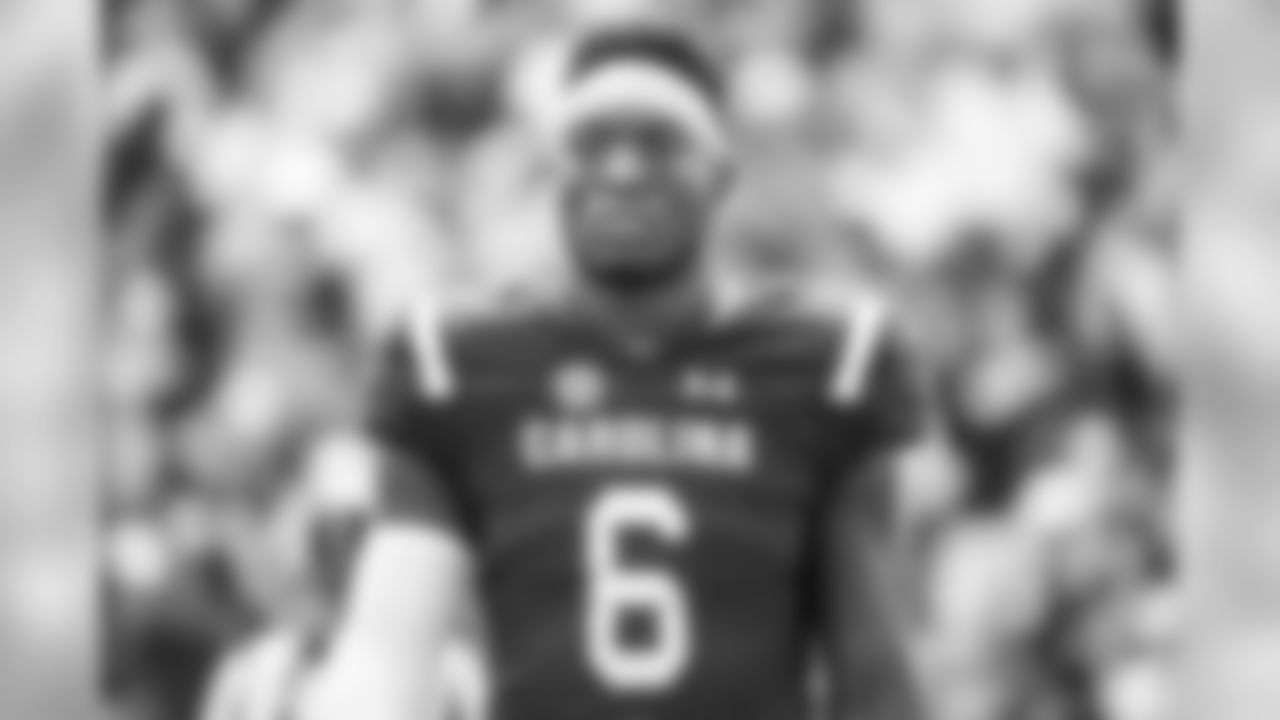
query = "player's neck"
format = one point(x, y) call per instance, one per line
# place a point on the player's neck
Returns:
point(646, 318)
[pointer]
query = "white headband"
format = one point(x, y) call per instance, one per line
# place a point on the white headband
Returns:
point(639, 85)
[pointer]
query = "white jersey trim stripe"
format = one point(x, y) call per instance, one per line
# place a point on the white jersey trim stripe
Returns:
point(432, 369)
point(864, 322)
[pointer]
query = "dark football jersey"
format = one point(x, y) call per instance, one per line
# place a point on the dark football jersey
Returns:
point(644, 519)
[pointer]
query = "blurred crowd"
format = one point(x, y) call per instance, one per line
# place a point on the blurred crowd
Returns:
point(286, 176)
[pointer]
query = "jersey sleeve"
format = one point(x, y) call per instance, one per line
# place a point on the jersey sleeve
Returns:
point(411, 421)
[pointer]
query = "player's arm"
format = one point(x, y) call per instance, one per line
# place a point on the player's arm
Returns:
point(868, 598)
point(867, 592)
point(406, 593)
point(409, 584)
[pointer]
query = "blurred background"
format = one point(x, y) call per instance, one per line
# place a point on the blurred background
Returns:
point(284, 176)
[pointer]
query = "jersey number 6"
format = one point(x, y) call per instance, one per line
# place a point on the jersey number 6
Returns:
point(619, 594)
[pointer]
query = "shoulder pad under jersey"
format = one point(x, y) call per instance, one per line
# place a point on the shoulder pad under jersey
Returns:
point(435, 335)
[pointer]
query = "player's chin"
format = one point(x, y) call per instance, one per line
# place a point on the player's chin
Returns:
point(637, 255)
point(633, 269)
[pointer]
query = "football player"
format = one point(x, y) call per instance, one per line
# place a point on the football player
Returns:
point(668, 510)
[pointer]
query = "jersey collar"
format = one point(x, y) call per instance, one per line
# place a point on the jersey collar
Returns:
point(671, 334)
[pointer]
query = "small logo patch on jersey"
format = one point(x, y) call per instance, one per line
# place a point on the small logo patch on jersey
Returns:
point(580, 386)
point(710, 386)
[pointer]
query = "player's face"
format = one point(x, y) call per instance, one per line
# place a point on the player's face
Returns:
point(638, 197)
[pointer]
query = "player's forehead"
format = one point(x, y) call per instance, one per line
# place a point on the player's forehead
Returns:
point(629, 123)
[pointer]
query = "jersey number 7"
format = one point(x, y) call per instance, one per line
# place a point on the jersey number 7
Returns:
point(619, 593)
